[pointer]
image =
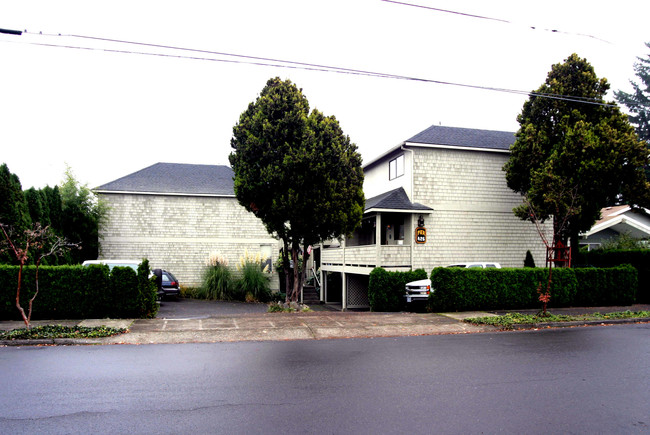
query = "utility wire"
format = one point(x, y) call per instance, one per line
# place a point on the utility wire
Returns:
point(447, 11)
point(279, 63)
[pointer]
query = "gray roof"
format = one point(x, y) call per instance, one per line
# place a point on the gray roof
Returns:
point(176, 178)
point(396, 199)
point(464, 137)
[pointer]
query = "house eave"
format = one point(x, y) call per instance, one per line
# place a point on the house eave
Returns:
point(133, 192)
point(397, 210)
point(455, 147)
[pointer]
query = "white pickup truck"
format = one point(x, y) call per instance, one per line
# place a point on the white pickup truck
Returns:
point(420, 290)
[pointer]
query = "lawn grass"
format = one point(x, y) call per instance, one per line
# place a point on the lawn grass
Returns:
point(59, 331)
point(508, 320)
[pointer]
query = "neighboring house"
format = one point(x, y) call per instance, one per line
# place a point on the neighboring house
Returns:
point(438, 198)
point(615, 221)
point(175, 215)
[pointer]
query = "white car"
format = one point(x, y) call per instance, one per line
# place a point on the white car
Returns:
point(133, 264)
point(420, 290)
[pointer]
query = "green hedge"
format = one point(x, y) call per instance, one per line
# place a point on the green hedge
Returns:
point(386, 289)
point(459, 289)
point(639, 259)
point(77, 292)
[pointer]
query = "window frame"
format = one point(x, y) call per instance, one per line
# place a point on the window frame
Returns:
point(396, 167)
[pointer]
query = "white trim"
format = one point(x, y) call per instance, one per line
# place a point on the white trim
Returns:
point(426, 145)
point(393, 210)
point(627, 220)
point(455, 147)
point(129, 192)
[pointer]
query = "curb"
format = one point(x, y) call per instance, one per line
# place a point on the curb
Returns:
point(525, 326)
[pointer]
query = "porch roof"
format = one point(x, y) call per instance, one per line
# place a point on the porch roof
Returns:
point(395, 201)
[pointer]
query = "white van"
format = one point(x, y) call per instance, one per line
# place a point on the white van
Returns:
point(419, 290)
point(133, 264)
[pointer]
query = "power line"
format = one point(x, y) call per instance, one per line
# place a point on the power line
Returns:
point(280, 63)
point(447, 11)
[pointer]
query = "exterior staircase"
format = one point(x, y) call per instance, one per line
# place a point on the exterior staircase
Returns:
point(310, 295)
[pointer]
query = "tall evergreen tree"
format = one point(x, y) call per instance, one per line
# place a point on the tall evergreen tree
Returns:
point(296, 171)
point(34, 201)
point(638, 101)
point(574, 153)
point(13, 207)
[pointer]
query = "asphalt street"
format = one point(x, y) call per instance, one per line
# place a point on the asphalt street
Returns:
point(570, 380)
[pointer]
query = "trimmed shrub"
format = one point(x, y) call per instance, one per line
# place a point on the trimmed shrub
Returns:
point(611, 286)
point(639, 259)
point(459, 289)
point(77, 292)
point(386, 289)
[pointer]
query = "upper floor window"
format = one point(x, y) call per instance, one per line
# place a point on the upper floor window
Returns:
point(396, 167)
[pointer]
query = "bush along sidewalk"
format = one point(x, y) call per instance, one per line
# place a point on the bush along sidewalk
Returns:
point(519, 320)
point(59, 331)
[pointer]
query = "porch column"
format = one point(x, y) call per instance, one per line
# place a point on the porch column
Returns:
point(344, 291)
point(378, 239)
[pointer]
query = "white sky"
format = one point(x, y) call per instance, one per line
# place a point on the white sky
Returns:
point(109, 114)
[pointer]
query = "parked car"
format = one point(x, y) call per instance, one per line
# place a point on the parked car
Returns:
point(167, 283)
point(133, 264)
point(420, 290)
point(477, 264)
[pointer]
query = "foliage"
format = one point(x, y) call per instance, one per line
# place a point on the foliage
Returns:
point(623, 242)
point(36, 243)
point(78, 292)
point(253, 280)
point(529, 261)
point(639, 259)
point(287, 307)
point(638, 102)
point(217, 279)
point(81, 216)
point(13, 207)
point(507, 321)
point(71, 212)
point(575, 154)
point(457, 289)
point(147, 303)
point(386, 289)
point(296, 171)
point(59, 331)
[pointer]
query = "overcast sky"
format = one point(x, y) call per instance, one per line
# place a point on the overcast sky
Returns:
point(107, 112)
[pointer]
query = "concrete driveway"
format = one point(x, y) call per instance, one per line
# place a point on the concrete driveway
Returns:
point(181, 308)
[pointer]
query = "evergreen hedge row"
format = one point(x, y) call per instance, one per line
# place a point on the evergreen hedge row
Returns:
point(78, 292)
point(459, 289)
point(640, 259)
point(386, 289)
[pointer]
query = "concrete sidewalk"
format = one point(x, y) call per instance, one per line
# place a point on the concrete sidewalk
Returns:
point(284, 326)
point(264, 327)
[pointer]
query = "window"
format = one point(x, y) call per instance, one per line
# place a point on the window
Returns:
point(396, 167)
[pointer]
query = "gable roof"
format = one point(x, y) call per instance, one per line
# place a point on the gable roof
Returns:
point(622, 219)
point(394, 200)
point(175, 179)
point(464, 138)
point(471, 139)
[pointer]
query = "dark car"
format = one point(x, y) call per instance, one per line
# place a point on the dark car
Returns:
point(167, 283)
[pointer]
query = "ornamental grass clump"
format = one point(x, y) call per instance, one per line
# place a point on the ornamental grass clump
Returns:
point(217, 280)
point(253, 280)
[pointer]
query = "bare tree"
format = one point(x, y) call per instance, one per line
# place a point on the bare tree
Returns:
point(38, 242)
point(553, 244)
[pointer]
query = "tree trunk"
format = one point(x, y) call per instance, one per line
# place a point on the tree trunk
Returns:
point(296, 272)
